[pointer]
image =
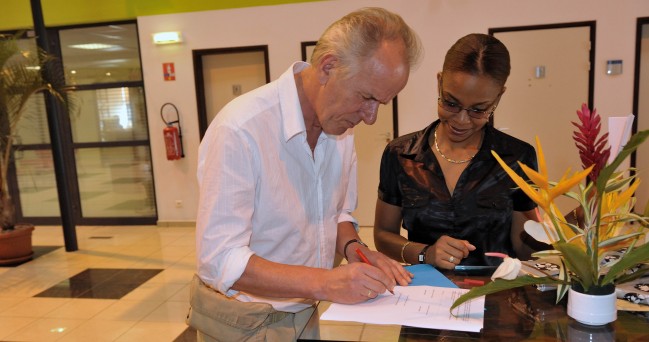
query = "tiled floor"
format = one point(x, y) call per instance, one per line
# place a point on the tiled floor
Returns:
point(129, 285)
point(126, 283)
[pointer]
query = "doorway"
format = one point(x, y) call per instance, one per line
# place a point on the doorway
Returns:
point(223, 74)
point(551, 76)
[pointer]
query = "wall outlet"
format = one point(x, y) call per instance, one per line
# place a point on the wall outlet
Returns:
point(179, 203)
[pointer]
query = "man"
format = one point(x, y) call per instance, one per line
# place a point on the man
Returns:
point(277, 177)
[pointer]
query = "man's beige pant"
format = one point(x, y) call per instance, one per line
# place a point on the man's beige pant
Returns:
point(219, 318)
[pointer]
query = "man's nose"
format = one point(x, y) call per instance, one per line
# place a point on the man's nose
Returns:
point(369, 115)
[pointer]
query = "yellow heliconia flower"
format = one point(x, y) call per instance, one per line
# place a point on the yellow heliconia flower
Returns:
point(546, 193)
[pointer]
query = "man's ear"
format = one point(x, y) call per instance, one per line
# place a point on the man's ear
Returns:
point(325, 68)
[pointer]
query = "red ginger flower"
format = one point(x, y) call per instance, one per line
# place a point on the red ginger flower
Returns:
point(592, 150)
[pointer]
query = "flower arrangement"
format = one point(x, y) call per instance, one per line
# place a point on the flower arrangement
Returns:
point(605, 206)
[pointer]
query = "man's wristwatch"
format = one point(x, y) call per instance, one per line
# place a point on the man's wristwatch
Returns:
point(422, 255)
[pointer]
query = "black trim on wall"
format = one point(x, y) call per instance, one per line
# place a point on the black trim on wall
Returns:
point(197, 56)
point(636, 82)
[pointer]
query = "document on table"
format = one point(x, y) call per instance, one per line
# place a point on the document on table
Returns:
point(414, 306)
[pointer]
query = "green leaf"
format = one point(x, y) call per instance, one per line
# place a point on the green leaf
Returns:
point(634, 142)
point(630, 259)
point(618, 184)
point(629, 277)
point(500, 285)
point(617, 239)
point(563, 288)
point(546, 253)
point(578, 262)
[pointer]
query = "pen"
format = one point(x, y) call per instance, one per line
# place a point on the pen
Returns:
point(365, 260)
point(473, 281)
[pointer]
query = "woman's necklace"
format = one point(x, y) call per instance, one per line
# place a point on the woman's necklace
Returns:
point(447, 158)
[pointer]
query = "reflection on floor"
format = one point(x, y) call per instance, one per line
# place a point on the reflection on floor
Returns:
point(125, 283)
point(100, 283)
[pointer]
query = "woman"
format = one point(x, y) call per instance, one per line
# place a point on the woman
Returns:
point(443, 184)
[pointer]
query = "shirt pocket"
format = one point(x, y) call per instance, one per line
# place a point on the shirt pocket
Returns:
point(496, 203)
point(413, 197)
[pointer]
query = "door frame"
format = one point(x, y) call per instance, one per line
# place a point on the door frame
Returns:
point(197, 56)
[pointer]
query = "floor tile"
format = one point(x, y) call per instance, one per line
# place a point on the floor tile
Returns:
point(153, 331)
point(169, 312)
point(80, 308)
point(100, 283)
point(9, 325)
point(127, 310)
point(97, 331)
point(34, 307)
point(45, 329)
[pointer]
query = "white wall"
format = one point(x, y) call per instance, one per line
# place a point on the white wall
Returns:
point(439, 23)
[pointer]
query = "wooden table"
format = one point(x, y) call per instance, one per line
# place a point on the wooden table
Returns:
point(513, 315)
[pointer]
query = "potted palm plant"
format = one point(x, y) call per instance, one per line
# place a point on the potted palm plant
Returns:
point(21, 77)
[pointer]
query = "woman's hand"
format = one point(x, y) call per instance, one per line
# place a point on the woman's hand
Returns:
point(447, 252)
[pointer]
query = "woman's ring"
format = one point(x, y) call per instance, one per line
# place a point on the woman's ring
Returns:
point(451, 259)
point(369, 293)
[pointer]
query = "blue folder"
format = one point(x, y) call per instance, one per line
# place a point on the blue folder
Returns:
point(427, 275)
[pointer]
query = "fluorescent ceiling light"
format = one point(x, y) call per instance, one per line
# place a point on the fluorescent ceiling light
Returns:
point(92, 46)
point(167, 38)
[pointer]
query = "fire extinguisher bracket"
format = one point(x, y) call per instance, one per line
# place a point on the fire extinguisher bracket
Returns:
point(173, 136)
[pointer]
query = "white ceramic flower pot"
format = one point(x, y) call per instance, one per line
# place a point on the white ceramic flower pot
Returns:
point(592, 309)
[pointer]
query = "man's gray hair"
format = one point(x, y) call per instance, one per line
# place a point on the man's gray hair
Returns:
point(358, 34)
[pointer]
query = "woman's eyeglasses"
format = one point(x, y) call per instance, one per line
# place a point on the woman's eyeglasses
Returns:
point(455, 108)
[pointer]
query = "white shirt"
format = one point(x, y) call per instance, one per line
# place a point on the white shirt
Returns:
point(263, 192)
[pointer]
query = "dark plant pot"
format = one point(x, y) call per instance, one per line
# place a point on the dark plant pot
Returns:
point(16, 244)
point(594, 290)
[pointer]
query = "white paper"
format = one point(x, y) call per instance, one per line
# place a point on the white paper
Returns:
point(619, 132)
point(414, 306)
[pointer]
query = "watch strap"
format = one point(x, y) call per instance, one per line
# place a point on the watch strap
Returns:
point(422, 255)
point(349, 243)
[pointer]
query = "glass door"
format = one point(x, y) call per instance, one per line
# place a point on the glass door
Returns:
point(112, 175)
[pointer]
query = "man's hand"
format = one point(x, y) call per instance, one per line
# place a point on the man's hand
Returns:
point(354, 283)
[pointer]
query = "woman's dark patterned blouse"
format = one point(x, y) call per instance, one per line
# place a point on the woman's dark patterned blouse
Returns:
point(479, 210)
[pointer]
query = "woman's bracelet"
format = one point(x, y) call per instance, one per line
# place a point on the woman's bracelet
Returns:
point(403, 248)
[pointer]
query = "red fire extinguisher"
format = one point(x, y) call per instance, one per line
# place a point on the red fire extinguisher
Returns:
point(172, 135)
point(172, 142)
